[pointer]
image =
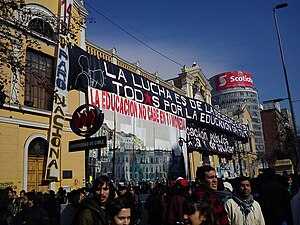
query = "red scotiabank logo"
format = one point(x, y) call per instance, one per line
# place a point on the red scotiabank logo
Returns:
point(233, 79)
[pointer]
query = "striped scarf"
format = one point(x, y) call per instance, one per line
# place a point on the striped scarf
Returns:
point(245, 204)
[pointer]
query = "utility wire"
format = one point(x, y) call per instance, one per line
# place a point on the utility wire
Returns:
point(146, 37)
point(134, 37)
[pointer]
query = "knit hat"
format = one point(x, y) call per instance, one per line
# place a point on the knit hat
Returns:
point(122, 187)
point(228, 186)
point(181, 182)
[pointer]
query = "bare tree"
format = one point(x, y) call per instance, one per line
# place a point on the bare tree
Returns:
point(22, 28)
point(283, 144)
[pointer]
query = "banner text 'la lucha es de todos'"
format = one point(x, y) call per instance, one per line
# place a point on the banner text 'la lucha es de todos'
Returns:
point(87, 70)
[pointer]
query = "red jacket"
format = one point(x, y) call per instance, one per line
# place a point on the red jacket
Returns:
point(174, 211)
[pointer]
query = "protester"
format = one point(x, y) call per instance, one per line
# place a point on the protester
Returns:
point(274, 200)
point(136, 211)
point(295, 205)
point(290, 185)
point(198, 210)
point(174, 210)
point(224, 191)
point(207, 184)
point(124, 193)
point(75, 201)
point(122, 190)
point(118, 212)
point(61, 196)
point(155, 204)
point(32, 214)
point(9, 192)
point(92, 212)
point(242, 209)
point(52, 207)
point(6, 216)
point(19, 202)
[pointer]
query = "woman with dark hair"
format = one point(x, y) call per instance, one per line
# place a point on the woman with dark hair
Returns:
point(93, 209)
point(118, 212)
point(198, 210)
point(289, 184)
point(5, 214)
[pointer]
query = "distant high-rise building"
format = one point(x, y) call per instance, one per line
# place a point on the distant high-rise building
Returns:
point(232, 90)
point(278, 127)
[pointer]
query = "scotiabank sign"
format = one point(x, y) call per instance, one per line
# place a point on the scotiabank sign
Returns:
point(233, 79)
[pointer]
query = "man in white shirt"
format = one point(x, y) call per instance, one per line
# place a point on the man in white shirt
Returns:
point(242, 209)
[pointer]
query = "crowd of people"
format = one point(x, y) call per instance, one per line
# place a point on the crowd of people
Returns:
point(268, 199)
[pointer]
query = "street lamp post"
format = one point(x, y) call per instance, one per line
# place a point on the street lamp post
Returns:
point(279, 6)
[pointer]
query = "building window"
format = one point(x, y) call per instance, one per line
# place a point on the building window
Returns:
point(42, 27)
point(37, 147)
point(67, 174)
point(39, 81)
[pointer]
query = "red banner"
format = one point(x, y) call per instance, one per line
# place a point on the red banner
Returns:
point(128, 107)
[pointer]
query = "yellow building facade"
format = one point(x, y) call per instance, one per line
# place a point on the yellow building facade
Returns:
point(195, 85)
point(246, 156)
point(25, 115)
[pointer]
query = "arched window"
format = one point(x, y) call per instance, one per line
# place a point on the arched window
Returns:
point(41, 26)
point(39, 79)
point(37, 147)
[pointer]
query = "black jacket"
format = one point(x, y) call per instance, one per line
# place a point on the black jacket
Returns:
point(156, 209)
point(274, 201)
point(32, 216)
point(5, 216)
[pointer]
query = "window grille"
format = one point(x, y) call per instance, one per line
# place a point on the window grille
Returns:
point(39, 81)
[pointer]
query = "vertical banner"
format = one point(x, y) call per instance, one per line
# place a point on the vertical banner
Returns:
point(60, 96)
